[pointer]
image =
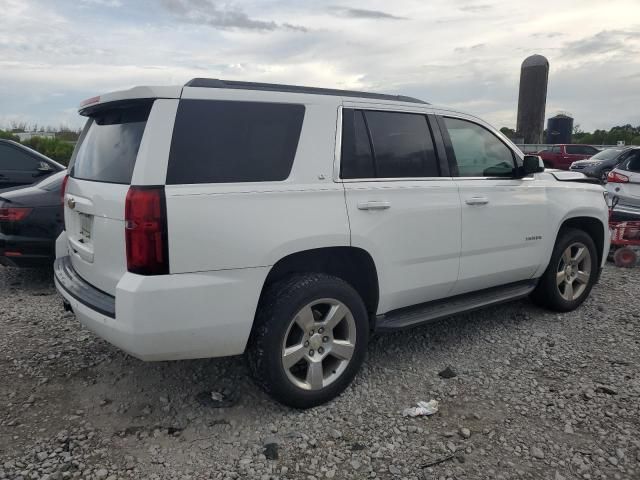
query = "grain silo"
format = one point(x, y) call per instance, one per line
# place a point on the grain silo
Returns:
point(560, 128)
point(532, 99)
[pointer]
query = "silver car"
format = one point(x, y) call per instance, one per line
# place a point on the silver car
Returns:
point(623, 183)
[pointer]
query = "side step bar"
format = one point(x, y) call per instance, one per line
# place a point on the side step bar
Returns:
point(427, 312)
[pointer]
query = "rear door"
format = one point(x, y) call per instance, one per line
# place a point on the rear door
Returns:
point(100, 174)
point(504, 219)
point(17, 167)
point(403, 208)
point(553, 156)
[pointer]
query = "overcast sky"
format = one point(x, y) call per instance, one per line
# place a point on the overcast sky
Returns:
point(463, 53)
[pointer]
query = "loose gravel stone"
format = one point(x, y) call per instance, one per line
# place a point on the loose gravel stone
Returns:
point(543, 395)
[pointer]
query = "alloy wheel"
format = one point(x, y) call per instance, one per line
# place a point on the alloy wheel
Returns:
point(319, 344)
point(574, 271)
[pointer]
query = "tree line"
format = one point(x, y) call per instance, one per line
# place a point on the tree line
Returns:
point(58, 148)
point(629, 134)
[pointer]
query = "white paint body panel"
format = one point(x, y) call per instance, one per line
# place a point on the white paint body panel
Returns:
point(171, 317)
point(415, 243)
point(224, 238)
point(495, 250)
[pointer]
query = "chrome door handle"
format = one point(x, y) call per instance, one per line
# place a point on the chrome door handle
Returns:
point(373, 205)
point(477, 201)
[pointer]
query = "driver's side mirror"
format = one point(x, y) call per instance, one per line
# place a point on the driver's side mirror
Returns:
point(44, 167)
point(532, 164)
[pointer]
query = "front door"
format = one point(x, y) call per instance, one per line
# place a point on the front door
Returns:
point(504, 219)
point(17, 167)
point(401, 210)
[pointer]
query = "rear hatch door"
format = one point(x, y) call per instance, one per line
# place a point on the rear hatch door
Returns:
point(99, 178)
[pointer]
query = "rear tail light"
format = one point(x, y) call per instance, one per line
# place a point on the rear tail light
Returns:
point(13, 214)
point(64, 187)
point(146, 231)
point(615, 177)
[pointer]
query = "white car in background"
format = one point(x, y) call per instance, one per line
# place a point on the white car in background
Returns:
point(623, 185)
point(288, 222)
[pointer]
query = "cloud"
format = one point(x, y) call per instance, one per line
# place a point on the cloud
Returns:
point(473, 65)
point(619, 42)
point(476, 47)
point(207, 12)
point(476, 8)
point(364, 14)
point(103, 3)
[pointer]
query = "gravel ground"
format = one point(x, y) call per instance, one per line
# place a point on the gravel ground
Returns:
point(536, 395)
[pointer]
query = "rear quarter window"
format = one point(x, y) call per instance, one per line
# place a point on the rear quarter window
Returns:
point(226, 141)
point(110, 144)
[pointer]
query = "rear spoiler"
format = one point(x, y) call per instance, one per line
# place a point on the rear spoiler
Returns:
point(577, 177)
point(136, 93)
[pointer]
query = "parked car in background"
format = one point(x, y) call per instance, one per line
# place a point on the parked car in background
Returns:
point(602, 162)
point(20, 165)
point(562, 156)
point(31, 218)
point(623, 183)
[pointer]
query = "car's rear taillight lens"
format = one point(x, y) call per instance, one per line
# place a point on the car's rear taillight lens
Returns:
point(64, 187)
point(13, 214)
point(615, 177)
point(146, 231)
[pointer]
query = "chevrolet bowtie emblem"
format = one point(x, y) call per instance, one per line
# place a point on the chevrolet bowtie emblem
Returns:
point(71, 203)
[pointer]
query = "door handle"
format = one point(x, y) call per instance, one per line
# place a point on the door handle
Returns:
point(477, 201)
point(374, 205)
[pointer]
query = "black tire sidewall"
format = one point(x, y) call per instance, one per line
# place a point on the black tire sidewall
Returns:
point(282, 302)
point(550, 288)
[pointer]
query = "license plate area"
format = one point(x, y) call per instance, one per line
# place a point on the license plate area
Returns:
point(85, 227)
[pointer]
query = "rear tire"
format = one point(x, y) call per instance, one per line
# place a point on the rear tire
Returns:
point(309, 339)
point(571, 274)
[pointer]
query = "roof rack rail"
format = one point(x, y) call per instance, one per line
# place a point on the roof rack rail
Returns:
point(275, 87)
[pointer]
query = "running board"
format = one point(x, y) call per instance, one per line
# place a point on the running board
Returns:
point(427, 312)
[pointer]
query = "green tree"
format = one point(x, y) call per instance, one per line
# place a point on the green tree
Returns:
point(9, 136)
point(508, 132)
point(58, 150)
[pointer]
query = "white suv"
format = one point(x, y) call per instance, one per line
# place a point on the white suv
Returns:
point(288, 222)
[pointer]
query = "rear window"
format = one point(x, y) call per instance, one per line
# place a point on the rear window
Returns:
point(108, 150)
point(378, 144)
point(223, 141)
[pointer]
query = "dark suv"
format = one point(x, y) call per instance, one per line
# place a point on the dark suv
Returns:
point(19, 165)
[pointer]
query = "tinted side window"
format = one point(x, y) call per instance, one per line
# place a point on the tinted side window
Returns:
point(478, 152)
point(222, 141)
point(356, 159)
point(578, 150)
point(12, 158)
point(402, 145)
point(633, 164)
point(555, 149)
point(590, 150)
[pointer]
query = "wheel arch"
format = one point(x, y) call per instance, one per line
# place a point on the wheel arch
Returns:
point(592, 226)
point(352, 264)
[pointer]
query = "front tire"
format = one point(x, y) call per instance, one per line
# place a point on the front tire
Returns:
point(309, 340)
point(571, 274)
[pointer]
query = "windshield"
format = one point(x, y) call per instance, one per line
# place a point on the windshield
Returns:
point(608, 154)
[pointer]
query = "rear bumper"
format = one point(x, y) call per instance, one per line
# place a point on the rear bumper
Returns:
point(169, 317)
point(23, 252)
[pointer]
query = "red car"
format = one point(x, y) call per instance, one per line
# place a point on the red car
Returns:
point(562, 156)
